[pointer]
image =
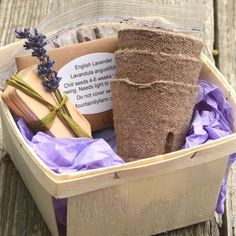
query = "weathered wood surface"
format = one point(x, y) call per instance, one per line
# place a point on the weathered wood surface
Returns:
point(18, 213)
point(226, 44)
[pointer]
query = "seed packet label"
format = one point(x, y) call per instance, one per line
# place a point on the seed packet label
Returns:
point(86, 81)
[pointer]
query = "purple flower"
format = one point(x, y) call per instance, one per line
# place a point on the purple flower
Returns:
point(52, 84)
point(36, 42)
point(22, 34)
point(46, 68)
point(39, 52)
point(43, 70)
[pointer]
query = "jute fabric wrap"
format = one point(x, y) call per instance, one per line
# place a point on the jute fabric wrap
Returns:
point(144, 67)
point(152, 118)
point(159, 41)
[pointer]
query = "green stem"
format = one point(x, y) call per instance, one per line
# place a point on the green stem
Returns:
point(57, 92)
point(65, 106)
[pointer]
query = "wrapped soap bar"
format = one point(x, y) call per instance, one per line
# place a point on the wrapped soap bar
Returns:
point(32, 110)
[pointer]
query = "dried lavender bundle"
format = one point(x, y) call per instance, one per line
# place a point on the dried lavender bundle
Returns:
point(36, 42)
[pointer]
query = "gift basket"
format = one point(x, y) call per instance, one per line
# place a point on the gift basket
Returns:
point(116, 121)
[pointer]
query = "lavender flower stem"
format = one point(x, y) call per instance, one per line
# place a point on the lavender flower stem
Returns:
point(36, 42)
point(59, 99)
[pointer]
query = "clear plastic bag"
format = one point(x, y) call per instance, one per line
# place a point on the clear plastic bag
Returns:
point(85, 13)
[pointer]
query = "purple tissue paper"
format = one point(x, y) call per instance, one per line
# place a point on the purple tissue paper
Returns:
point(212, 119)
point(63, 155)
point(66, 155)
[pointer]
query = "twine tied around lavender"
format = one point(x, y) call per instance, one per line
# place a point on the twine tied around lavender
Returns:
point(36, 42)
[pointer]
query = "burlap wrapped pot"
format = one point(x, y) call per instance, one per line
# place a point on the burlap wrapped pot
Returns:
point(144, 67)
point(155, 40)
point(151, 119)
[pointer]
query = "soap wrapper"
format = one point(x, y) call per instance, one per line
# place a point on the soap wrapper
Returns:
point(27, 98)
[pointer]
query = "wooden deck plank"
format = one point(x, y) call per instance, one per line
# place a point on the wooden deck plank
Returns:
point(18, 212)
point(226, 46)
point(23, 218)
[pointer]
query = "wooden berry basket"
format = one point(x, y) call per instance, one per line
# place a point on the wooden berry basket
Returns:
point(140, 198)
